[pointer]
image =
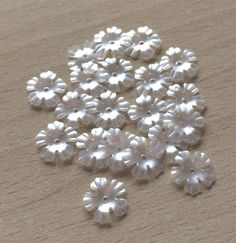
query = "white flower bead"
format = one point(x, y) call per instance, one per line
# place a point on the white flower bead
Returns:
point(76, 110)
point(147, 111)
point(106, 200)
point(183, 125)
point(87, 80)
point(111, 110)
point(159, 135)
point(117, 73)
point(145, 44)
point(181, 64)
point(151, 81)
point(81, 54)
point(57, 143)
point(122, 155)
point(93, 149)
point(111, 43)
point(45, 90)
point(186, 94)
point(148, 159)
point(192, 171)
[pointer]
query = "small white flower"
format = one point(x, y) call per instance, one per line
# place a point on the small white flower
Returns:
point(186, 94)
point(76, 110)
point(117, 73)
point(145, 44)
point(181, 64)
point(56, 142)
point(148, 159)
point(183, 125)
point(93, 149)
point(122, 155)
point(192, 171)
point(111, 43)
point(81, 54)
point(111, 111)
point(147, 112)
point(105, 200)
point(159, 135)
point(151, 81)
point(45, 89)
point(87, 80)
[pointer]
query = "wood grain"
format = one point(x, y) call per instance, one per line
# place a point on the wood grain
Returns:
point(40, 203)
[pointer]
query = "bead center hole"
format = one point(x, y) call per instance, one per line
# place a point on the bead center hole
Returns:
point(75, 110)
point(89, 80)
point(114, 74)
point(143, 156)
point(85, 55)
point(141, 42)
point(112, 42)
point(46, 89)
point(108, 109)
point(152, 80)
point(179, 63)
point(56, 141)
point(149, 113)
point(105, 198)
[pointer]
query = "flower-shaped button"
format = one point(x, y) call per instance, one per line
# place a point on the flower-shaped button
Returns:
point(111, 43)
point(185, 94)
point(159, 135)
point(45, 90)
point(81, 54)
point(87, 79)
point(151, 81)
point(122, 155)
point(148, 159)
point(111, 110)
point(181, 64)
point(118, 74)
point(147, 112)
point(76, 110)
point(106, 200)
point(192, 171)
point(57, 143)
point(93, 149)
point(145, 44)
point(183, 125)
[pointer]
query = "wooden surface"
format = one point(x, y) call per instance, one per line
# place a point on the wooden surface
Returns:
point(40, 203)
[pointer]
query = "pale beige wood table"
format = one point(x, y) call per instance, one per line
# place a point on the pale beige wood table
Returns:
point(40, 203)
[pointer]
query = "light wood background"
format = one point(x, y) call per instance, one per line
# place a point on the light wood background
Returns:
point(40, 203)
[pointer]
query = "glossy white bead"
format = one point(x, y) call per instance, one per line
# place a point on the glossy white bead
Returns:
point(111, 43)
point(160, 136)
point(145, 44)
point(192, 171)
point(148, 159)
point(94, 149)
point(117, 73)
point(183, 125)
point(185, 94)
point(80, 54)
point(111, 110)
point(147, 112)
point(106, 200)
point(57, 142)
point(181, 65)
point(122, 154)
point(87, 80)
point(77, 110)
point(151, 81)
point(45, 90)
